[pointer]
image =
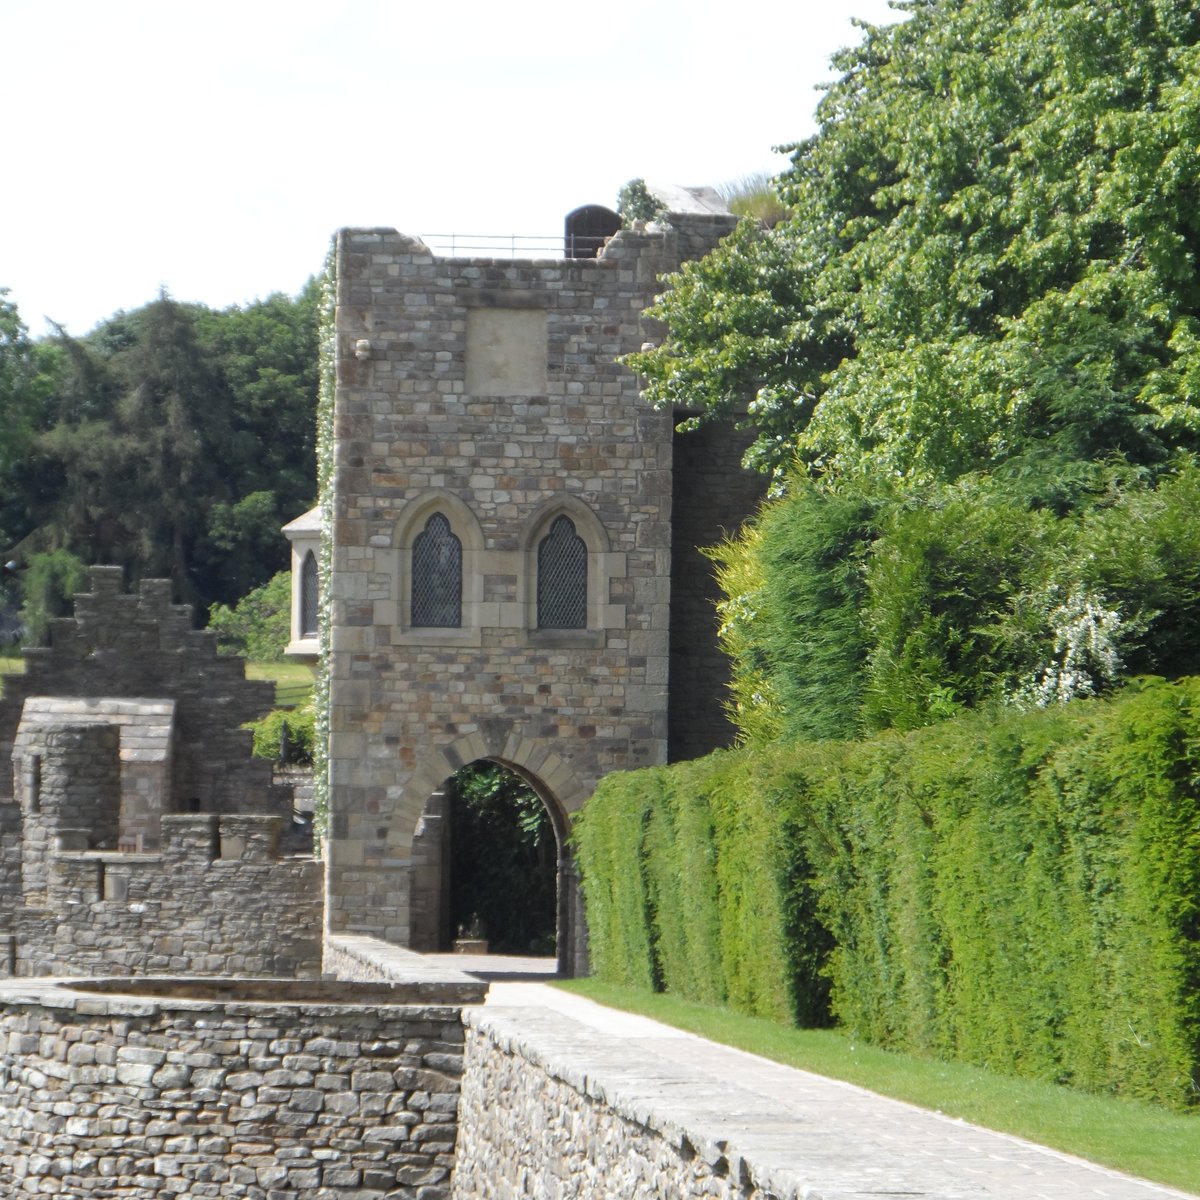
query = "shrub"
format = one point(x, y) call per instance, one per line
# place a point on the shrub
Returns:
point(285, 735)
point(1019, 890)
point(259, 625)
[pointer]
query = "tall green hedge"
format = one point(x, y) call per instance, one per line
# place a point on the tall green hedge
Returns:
point(1019, 890)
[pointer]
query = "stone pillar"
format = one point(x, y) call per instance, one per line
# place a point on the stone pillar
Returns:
point(572, 924)
point(431, 877)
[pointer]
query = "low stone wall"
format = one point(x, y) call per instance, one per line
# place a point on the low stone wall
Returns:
point(361, 959)
point(551, 1108)
point(218, 900)
point(203, 1091)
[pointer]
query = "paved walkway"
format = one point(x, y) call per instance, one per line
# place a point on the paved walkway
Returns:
point(848, 1142)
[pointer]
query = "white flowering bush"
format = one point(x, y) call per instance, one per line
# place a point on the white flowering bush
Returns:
point(1086, 657)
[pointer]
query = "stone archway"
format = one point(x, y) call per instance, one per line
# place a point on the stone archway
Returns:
point(492, 843)
point(556, 786)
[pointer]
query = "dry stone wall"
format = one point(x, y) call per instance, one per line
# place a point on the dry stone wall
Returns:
point(138, 645)
point(322, 1097)
point(551, 1109)
point(216, 900)
point(217, 895)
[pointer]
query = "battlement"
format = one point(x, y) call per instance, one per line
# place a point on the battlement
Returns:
point(131, 646)
point(124, 723)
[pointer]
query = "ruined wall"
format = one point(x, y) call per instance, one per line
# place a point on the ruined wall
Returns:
point(141, 645)
point(217, 900)
point(314, 1097)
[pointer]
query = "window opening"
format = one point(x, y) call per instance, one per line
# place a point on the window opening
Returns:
point(562, 578)
point(437, 576)
point(310, 596)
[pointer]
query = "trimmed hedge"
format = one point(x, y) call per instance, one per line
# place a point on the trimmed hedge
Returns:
point(1016, 890)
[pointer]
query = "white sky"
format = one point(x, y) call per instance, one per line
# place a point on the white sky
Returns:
point(213, 148)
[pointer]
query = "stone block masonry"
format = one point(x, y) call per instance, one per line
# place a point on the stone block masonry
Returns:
point(553, 1109)
point(216, 900)
point(130, 723)
point(138, 645)
point(246, 1091)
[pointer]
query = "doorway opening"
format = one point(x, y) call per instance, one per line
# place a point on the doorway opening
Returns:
point(504, 862)
point(489, 857)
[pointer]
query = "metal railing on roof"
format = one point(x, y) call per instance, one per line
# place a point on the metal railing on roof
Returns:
point(511, 245)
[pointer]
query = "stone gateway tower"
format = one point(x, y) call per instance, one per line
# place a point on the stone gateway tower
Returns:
point(515, 575)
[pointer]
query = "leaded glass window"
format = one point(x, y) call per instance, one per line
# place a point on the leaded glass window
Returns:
point(310, 595)
point(437, 576)
point(562, 578)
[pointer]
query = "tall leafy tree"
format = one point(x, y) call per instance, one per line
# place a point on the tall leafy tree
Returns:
point(991, 258)
point(173, 440)
point(978, 326)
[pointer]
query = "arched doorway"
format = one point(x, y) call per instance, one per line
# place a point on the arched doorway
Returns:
point(491, 863)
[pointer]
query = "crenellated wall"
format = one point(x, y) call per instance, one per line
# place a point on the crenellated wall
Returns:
point(98, 767)
point(136, 645)
point(217, 899)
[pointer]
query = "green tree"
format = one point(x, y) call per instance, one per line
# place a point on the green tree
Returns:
point(991, 257)
point(505, 861)
point(25, 386)
point(978, 326)
point(48, 584)
point(173, 440)
point(259, 626)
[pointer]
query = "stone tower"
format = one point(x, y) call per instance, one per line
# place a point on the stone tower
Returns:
point(503, 539)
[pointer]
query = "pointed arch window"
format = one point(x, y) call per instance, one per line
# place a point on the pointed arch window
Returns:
point(437, 576)
point(562, 564)
point(310, 596)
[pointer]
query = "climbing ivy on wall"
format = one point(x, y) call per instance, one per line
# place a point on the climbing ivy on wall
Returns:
point(327, 383)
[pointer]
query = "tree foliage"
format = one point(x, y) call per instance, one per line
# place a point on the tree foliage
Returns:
point(990, 259)
point(259, 626)
point(504, 856)
point(970, 355)
point(173, 440)
point(849, 610)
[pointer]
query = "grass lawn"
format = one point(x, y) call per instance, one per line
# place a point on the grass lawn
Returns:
point(293, 681)
point(10, 664)
point(1127, 1135)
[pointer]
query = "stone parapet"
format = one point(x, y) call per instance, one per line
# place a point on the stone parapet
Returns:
point(337, 1093)
point(216, 900)
point(359, 959)
point(551, 1107)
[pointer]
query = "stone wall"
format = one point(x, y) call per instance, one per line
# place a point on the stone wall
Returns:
point(216, 900)
point(358, 959)
point(141, 645)
point(335, 1093)
point(551, 1108)
point(713, 495)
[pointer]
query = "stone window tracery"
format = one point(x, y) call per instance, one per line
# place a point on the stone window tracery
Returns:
point(437, 576)
point(562, 571)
